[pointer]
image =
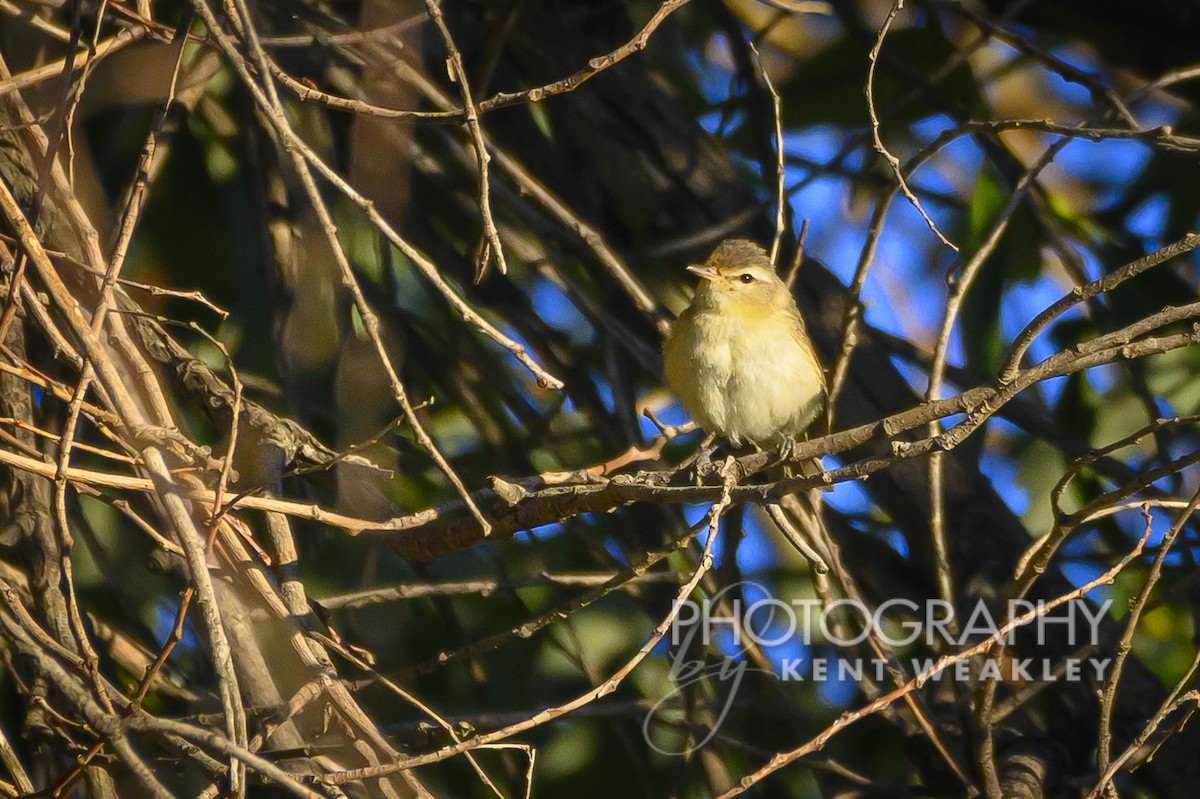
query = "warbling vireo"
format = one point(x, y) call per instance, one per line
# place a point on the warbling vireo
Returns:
point(740, 358)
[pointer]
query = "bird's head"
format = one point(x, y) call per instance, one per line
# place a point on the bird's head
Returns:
point(737, 278)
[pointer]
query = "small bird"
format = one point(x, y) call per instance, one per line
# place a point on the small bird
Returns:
point(740, 358)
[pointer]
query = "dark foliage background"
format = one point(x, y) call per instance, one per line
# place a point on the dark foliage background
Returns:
point(305, 258)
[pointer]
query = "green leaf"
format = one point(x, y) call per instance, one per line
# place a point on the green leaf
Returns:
point(1015, 258)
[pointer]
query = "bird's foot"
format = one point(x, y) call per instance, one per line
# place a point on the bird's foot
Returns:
point(783, 453)
point(793, 467)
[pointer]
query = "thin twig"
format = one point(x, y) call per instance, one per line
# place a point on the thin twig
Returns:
point(797, 259)
point(491, 245)
point(268, 102)
point(558, 502)
point(795, 538)
point(954, 303)
point(780, 178)
point(593, 68)
point(556, 207)
point(851, 717)
point(892, 160)
point(1078, 294)
point(1108, 697)
point(119, 41)
point(715, 512)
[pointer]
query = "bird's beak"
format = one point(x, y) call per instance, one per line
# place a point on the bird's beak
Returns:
point(706, 272)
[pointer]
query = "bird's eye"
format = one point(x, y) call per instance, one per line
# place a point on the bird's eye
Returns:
point(747, 278)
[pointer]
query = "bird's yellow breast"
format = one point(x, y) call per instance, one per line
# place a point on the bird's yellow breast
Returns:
point(744, 373)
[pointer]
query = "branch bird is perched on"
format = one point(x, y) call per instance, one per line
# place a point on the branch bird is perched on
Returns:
point(740, 358)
